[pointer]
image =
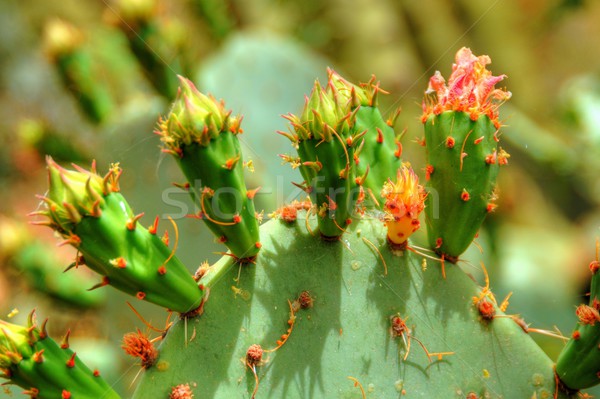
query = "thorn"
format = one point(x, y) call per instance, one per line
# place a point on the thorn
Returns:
point(105, 281)
point(251, 193)
point(65, 341)
point(38, 356)
point(43, 331)
point(479, 140)
point(72, 213)
point(428, 172)
point(152, 229)
point(165, 238)
point(231, 162)
point(71, 361)
point(379, 136)
point(132, 222)
point(398, 152)
point(184, 186)
point(96, 211)
point(72, 240)
point(31, 318)
point(391, 121)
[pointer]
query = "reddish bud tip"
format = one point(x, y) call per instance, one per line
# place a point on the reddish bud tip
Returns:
point(450, 142)
point(486, 309)
point(152, 229)
point(96, 373)
point(594, 266)
point(576, 335)
point(71, 361)
point(65, 341)
point(66, 394)
point(258, 245)
point(140, 295)
point(438, 242)
point(237, 219)
point(379, 136)
point(162, 270)
point(38, 356)
point(348, 221)
point(491, 207)
point(428, 172)
point(479, 140)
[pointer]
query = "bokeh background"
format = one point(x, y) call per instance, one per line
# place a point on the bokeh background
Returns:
point(88, 79)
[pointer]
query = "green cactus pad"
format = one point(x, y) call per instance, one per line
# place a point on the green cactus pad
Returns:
point(203, 138)
point(461, 183)
point(91, 214)
point(347, 331)
point(35, 362)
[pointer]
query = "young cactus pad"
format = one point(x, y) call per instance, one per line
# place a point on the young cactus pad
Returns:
point(35, 362)
point(461, 137)
point(326, 140)
point(202, 136)
point(89, 212)
point(379, 152)
point(348, 330)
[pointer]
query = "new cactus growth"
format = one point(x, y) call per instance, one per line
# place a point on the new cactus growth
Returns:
point(202, 136)
point(45, 369)
point(463, 157)
point(89, 212)
point(326, 139)
point(379, 152)
point(578, 365)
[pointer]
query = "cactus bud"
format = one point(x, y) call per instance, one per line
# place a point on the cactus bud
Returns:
point(461, 137)
point(404, 201)
point(380, 152)
point(90, 213)
point(324, 138)
point(202, 136)
point(37, 363)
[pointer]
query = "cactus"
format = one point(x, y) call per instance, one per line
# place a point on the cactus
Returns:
point(358, 310)
point(461, 137)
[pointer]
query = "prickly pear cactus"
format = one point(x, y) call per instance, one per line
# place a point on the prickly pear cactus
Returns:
point(330, 298)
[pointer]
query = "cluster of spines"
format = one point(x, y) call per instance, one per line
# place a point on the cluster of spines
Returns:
point(379, 154)
point(89, 212)
point(327, 140)
point(578, 365)
point(202, 136)
point(461, 138)
point(32, 360)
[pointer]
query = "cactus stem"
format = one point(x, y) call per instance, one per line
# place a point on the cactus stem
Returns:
point(368, 242)
point(152, 229)
point(65, 341)
point(71, 362)
point(132, 222)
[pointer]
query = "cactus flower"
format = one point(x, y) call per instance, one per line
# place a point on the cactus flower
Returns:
point(404, 202)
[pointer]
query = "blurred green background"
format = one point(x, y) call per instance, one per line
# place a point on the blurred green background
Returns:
point(88, 79)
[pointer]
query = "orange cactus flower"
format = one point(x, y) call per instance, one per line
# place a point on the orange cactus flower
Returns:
point(404, 201)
